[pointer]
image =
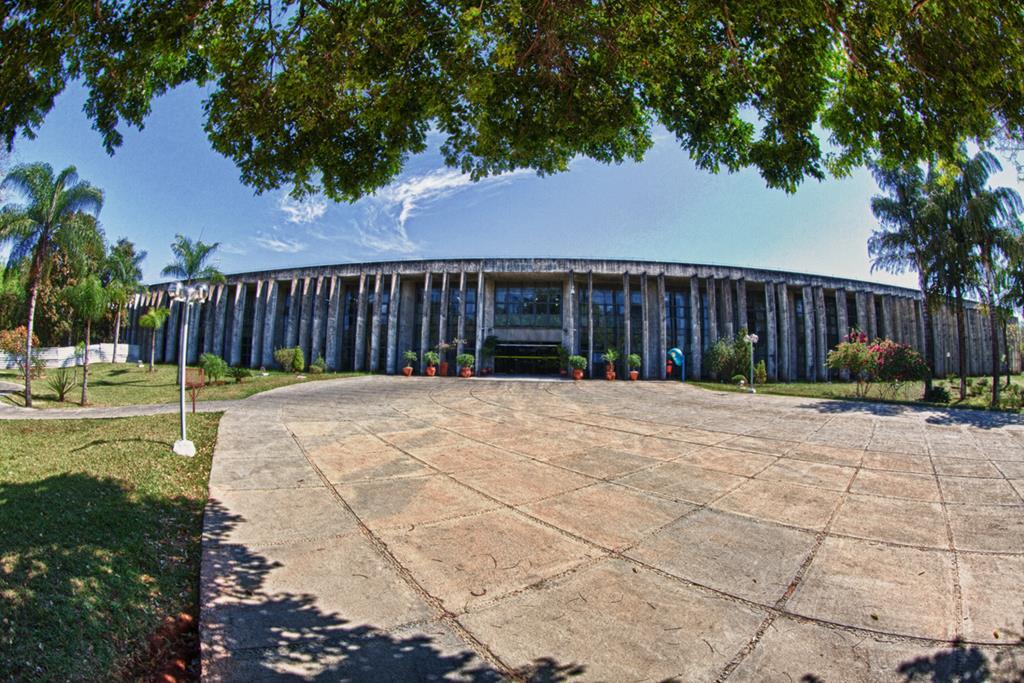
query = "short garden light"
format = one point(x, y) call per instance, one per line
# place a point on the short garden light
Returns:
point(186, 295)
point(751, 339)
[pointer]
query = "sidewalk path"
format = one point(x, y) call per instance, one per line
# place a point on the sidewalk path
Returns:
point(9, 412)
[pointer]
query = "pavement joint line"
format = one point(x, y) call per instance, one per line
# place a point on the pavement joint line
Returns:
point(772, 610)
point(790, 590)
point(958, 595)
point(444, 615)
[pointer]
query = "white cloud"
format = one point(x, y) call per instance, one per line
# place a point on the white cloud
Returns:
point(280, 244)
point(305, 210)
point(387, 212)
point(229, 248)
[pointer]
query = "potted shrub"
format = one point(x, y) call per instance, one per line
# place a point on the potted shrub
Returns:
point(410, 359)
point(609, 357)
point(442, 352)
point(465, 361)
point(578, 365)
point(634, 362)
point(487, 350)
point(432, 360)
point(563, 360)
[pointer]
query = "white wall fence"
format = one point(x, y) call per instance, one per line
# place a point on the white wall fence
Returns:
point(64, 356)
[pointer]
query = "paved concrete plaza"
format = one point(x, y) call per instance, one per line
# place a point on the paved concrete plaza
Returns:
point(386, 528)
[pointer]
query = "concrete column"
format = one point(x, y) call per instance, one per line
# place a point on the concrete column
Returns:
point(269, 316)
point(662, 327)
point(645, 334)
point(590, 323)
point(569, 314)
point(919, 326)
point(375, 324)
point(887, 319)
point(359, 351)
point(460, 325)
point(710, 286)
point(331, 333)
point(940, 342)
point(693, 363)
point(862, 310)
point(899, 332)
point(807, 295)
point(442, 311)
point(171, 335)
point(772, 348)
point(193, 333)
point(725, 297)
point(821, 333)
point(394, 300)
point(316, 326)
point(220, 326)
point(291, 324)
point(258, 305)
point(842, 324)
point(237, 316)
point(787, 347)
point(627, 322)
point(481, 330)
point(842, 317)
point(741, 304)
point(873, 331)
point(306, 318)
point(209, 320)
point(425, 326)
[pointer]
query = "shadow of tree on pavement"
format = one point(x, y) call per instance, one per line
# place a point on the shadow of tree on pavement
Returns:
point(251, 635)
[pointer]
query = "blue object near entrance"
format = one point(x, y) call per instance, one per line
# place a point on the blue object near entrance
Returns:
point(677, 358)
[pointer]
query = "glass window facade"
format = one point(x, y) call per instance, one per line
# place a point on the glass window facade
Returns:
point(609, 321)
point(528, 306)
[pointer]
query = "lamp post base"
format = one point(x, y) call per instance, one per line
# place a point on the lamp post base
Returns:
point(186, 448)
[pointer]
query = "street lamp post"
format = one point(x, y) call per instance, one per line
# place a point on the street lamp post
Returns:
point(751, 339)
point(186, 295)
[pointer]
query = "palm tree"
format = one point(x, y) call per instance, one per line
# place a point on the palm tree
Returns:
point(153, 320)
point(992, 227)
point(123, 277)
point(59, 215)
point(906, 239)
point(89, 300)
point(192, 261)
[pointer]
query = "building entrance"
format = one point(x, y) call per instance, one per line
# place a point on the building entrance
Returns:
point(526, 359)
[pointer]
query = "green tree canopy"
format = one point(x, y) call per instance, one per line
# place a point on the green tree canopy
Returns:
point(338, 93)
point(58, 218)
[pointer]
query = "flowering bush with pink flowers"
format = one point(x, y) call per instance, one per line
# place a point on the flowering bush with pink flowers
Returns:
point(881, 360)
point(897, 363)
point(854, 355)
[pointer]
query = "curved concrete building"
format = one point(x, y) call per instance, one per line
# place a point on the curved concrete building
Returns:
point(363, 316)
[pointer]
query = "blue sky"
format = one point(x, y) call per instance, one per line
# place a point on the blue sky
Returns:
point(166, 179)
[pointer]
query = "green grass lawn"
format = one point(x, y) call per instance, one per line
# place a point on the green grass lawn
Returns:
point(909, 392)
point(99, 542)
point(125, 384)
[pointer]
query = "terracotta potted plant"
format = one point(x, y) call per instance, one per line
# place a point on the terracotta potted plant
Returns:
point(634, 362)
point(578, 365)
point(432, 359)
point(410, 360)
point(442, 352)
point(609, 357)
point(465, 361)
